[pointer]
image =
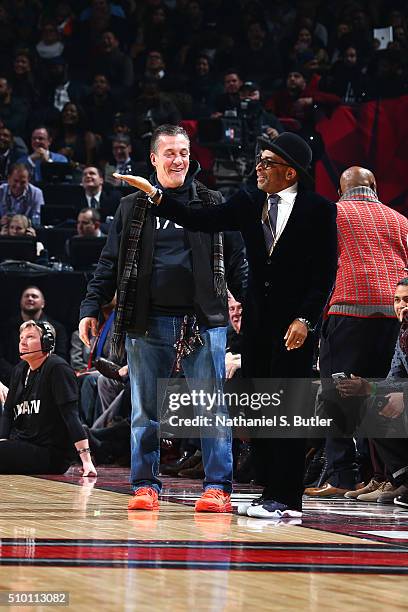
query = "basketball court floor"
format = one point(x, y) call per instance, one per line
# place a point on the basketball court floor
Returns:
point(74, 535)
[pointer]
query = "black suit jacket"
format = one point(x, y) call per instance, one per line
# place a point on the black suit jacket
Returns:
point(295, 281)
point(108, 203)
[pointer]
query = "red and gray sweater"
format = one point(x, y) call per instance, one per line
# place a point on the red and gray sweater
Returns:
point(373, 254)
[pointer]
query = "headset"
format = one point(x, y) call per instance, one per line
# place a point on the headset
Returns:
point(47, 337)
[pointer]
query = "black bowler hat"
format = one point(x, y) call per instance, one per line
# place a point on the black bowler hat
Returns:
point(293, 149)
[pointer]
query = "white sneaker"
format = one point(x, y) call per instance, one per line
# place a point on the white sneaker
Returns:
point(243, 506)
point(272, 509)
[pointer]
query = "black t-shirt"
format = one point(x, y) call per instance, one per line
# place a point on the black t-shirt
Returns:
point(42, 406)
point(172, 284)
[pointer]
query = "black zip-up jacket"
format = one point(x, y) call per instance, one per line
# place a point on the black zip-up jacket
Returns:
point(212, 311)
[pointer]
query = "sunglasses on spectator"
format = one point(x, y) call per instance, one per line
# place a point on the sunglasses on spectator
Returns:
point(268, 162)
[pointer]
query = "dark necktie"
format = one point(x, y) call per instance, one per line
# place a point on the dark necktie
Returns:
point(269, 222)
point(94, 202)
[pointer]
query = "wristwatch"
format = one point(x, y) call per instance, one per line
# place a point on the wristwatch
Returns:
point(306, 322)
point(156, 197)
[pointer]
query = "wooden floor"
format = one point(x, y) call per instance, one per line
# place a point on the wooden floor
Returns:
point(64, 534)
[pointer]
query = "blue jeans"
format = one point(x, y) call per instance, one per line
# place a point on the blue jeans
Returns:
point(152, 356)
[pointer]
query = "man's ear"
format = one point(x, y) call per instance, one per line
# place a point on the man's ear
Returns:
point(153, 159)
point(291, 174)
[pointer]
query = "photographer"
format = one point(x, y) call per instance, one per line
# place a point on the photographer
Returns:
point(244, 120)
point(394, 389)
point(41, 410)
point(257, 120)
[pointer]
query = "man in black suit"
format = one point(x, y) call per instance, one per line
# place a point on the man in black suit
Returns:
point(122, 161)
point(291, 244)
point(97, 195)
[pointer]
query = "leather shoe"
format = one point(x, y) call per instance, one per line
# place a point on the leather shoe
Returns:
point(196, 472)
point(385, 487)
point(326, 490)
point(389, 496)
point(173, 468)
point(186, 461)
point(368, 488)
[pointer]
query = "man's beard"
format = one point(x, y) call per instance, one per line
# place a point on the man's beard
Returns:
point(32, 312)
point(295, 92)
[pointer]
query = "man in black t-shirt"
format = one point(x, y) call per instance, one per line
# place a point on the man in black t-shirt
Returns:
point(171, 314)
point(40, 419)
point(32, 306)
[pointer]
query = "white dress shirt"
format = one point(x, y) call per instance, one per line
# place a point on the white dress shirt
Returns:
point(286, 200)
point(97, 197)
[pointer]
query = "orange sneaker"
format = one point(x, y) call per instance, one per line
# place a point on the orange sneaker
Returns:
point(145, 498)
point(214, 500)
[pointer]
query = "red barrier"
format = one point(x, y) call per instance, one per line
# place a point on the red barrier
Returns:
point(373, 135)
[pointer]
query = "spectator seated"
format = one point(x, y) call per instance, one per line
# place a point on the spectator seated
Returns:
point(18, 196)
point(19, 226)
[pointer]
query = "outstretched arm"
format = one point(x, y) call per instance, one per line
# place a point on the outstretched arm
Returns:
point(227, 216)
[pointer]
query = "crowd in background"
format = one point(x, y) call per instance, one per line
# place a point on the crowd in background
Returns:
point(89, 70)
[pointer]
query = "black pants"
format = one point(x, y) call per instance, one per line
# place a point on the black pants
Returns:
point(394, 453)
point(18, 457)
point(359, 346)
point(110, 444)
point(279, 466)
point(280, 462)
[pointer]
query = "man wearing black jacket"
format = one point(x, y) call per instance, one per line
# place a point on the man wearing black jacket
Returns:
point(291, 244)
point(171, 285)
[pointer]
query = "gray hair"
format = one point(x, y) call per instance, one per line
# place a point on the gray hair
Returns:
point(167, 130)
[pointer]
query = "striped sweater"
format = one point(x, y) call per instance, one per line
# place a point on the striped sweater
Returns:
point(373, 252)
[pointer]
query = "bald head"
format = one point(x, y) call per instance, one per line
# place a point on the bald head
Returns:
point(357, 177)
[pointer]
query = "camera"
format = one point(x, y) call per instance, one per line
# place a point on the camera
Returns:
point(225, 131)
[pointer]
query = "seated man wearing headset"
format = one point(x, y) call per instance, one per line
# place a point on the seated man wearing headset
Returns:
point(40, 422)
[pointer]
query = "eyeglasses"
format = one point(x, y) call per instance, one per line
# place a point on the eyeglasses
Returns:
point(267, 162)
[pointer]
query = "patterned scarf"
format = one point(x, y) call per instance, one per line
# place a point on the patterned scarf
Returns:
point(220, 286)
point(126, 293)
